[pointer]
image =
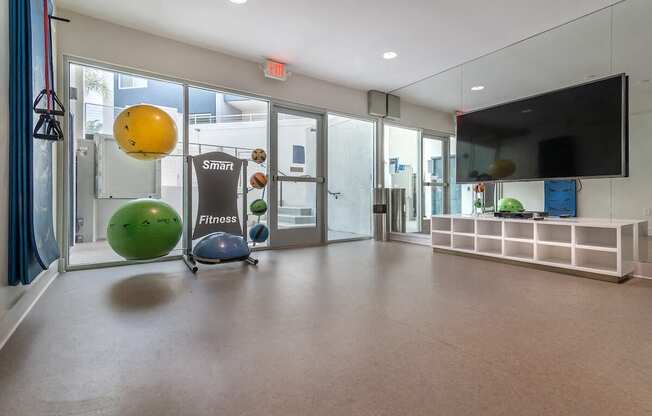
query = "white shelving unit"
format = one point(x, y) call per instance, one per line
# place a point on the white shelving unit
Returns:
point(603, 247)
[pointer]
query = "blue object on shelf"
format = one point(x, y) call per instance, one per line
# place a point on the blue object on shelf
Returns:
point(561, 198)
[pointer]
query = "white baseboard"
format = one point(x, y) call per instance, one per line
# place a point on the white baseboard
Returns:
point(643, 270)
point(14, 316)
point(642, 277)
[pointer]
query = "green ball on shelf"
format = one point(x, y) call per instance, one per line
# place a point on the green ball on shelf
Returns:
point(510, 205)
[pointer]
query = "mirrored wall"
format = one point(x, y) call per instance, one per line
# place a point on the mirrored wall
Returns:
point(611, 41)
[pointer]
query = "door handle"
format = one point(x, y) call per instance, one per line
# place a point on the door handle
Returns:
point(279, 178)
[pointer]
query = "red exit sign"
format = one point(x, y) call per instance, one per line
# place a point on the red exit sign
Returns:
point(275, 70)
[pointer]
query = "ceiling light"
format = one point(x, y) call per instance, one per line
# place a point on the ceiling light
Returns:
point(238, 1)
point(477, 88)
point(390, 55)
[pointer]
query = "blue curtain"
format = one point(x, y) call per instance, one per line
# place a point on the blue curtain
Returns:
point(24, 264)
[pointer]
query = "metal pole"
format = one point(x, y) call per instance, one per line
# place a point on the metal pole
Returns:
point(187, 175)
point(244, 199)
point(187, 187)
point(187, 210)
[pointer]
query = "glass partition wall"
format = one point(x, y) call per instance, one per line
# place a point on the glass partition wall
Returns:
point(402, 166)
point(420, 162)
point(233, 124)
point(101, 178)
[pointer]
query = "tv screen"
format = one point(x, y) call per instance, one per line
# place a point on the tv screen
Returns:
point(575, 132)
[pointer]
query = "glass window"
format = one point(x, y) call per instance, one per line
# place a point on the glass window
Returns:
point(201, 118)
point(350, 177)
point(104, 178)
point(232, 124)
point(298, 155)
point(126, 82)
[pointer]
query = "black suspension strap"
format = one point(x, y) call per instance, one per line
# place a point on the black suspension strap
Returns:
point(48, 127)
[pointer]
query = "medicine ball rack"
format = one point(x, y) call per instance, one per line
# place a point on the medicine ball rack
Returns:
point(188, 257)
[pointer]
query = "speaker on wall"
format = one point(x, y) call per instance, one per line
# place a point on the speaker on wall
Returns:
point(377, 103)
point(393, 106)
point(381, 104)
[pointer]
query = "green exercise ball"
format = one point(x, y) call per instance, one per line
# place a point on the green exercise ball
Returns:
point(258, 207)
point(510, 205)
point(144, 229)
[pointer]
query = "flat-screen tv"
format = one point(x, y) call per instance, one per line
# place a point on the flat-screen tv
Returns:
point(576, 132)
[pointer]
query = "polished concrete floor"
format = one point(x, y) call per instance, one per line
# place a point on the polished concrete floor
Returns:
point(350, 329)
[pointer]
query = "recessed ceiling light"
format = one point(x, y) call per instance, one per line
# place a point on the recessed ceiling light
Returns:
point(390, 55)
point(477, 88)
point(238, 1)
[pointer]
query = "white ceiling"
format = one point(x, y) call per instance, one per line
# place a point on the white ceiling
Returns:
point(571, 54)
point(343, 40)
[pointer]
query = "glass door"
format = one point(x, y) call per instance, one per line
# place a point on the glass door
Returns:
point(402, 165)
point(350, 177)
point(297, 177)
point(435, 167)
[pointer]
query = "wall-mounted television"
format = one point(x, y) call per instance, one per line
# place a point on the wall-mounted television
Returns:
point(575, 132)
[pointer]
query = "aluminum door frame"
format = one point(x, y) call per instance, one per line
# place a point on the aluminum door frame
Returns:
point(445, 184)
point(297, 236)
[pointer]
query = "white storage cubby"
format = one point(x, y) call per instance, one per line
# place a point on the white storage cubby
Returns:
point(554, 254)
point(596, 259)
point(554, 233)
point(463, 242)
point(596, 236)
point(519, 249)
point(463, 225)
point(609, 248)
point(441, 240)
point(490, 246)
point(440, 224)
point(490, 228)
point(521, 230)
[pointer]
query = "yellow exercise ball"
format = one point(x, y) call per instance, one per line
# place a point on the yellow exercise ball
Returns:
point(145, 132)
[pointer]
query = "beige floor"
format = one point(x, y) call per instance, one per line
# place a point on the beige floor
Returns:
point(350, 329)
